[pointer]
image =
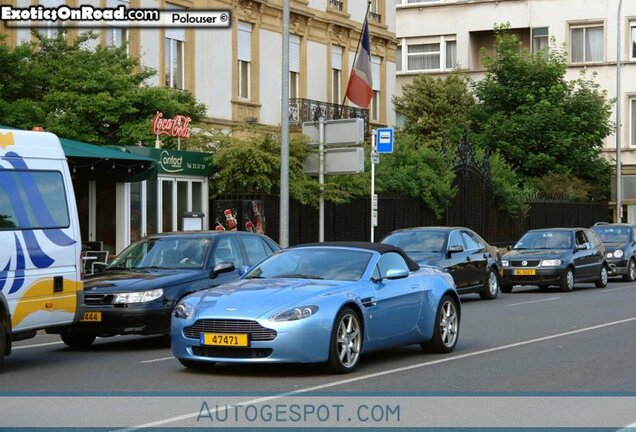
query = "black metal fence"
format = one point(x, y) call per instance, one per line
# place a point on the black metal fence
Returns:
point(351, 221)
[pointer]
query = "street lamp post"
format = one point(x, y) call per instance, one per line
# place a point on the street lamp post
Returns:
point(619, 183)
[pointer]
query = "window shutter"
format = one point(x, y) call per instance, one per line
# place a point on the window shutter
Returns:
point(375, 71)
point(336, 57)
point(294, 53)
point(245, 41)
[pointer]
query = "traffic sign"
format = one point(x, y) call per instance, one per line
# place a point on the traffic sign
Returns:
point(384, 140)
point(337, 161)
point(375, 157)
point(341, 132)
point(375, 201)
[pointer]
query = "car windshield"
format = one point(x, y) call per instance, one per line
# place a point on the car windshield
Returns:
point(314, 263)
point(610, 234)
point(418, 241)
point(167, 252)
point(545, 240)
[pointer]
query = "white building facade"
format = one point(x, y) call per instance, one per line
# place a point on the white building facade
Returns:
point(435, 36)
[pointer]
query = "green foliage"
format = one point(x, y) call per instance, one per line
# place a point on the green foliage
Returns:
point(538, 121)
point(559, 185)
point(417, 168)
point(436, 107)
point(506, 187)
point(95, 95)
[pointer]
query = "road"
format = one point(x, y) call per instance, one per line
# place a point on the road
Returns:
point(526, 343)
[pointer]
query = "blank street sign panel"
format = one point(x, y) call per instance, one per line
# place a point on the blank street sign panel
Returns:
point(337, 132)
point(337, 161)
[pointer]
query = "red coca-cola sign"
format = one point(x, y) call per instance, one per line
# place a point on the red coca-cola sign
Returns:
point(177, 127)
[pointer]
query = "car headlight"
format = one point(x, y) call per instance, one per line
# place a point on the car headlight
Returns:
point(138, 297)
point(505, 263)
point(609, 255)
point(295, 314)
point(550, 263)
point(184, 310)
point(618, 253)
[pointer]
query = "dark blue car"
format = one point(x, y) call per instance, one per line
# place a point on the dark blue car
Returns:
point(137, 292)
point(559, 256)
point(620, 249)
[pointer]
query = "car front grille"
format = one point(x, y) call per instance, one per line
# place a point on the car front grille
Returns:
point(255, 331)
point(530, 263)
point(220, 352)
point(98, 299)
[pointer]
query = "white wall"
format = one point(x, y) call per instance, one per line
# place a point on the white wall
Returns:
point(270, 79)
point(150, 45)
point(316, 67)
point(357, 9)
point(23, 34)
point(213, 74)
point(318, 4)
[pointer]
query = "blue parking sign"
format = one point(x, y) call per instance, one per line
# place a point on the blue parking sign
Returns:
point(384, 140)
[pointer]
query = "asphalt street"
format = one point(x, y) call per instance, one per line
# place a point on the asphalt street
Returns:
point(528, 342)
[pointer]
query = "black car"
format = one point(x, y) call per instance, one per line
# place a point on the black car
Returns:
point(620, 248)
point(137, 292)
point(471, 261)
point(559, 256)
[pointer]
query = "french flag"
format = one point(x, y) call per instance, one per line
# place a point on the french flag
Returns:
point(360, 85)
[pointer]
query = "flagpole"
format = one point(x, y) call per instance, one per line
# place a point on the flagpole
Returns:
point(364, 23)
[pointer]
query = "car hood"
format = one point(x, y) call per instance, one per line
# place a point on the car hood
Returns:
point(611, 247)
point(253, 298)
point(530, 254)
point(116, 281)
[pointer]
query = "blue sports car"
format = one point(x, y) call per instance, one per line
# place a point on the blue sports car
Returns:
point(319, 303)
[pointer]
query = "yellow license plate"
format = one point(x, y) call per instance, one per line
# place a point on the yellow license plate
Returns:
point(525, 272)
point(91, 317)
point(225, 339)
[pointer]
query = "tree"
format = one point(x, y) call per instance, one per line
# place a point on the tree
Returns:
point(95, 95)
point(434, 108)
point(537, 120)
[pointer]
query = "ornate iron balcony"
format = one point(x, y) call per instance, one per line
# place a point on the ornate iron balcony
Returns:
point(302, 110)
point(335, 4)
point(375, 17)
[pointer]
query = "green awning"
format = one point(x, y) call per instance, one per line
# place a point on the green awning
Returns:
point(77, 149)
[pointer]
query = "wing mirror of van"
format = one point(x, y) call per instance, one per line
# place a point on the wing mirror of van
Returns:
point(222, 267)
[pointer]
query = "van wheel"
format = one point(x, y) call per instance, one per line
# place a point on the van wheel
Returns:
point(446, 330)
point(78, 340)
point(3, 342)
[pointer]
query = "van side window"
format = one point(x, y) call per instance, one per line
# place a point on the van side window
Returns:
point(32, 200)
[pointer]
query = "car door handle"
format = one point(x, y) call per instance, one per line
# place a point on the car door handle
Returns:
point(369, 301)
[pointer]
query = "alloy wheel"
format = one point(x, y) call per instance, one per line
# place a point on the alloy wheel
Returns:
point(493, 285)
point(449, 323)
point(349, 340)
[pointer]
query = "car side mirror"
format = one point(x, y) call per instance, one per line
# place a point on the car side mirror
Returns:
point(222, 267)
point(396, 273)
point(243, 269)
point(454, 249)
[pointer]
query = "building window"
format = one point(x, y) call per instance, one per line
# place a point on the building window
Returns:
point(540, 39)
point(398, 58)
point(451, 54)
point(244, 59)
point(117, 36)
point(633, 51)
point(336, 73)
point(336, 4)
point(632, 123)
point(294, 65)
point(50, 29)
point(376, 62)
point(374, 11)
point(586, 44)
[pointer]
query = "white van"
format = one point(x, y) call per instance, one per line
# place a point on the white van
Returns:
point(40, 247)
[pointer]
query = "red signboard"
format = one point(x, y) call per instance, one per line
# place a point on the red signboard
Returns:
point(178, 127)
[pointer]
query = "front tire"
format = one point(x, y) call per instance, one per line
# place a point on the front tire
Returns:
point(446, 331)
point(491, 286)
point(567, 283)
point(3, 342)
point(631, 271)
point(346, 342)
point(78, 340)
point(601, 282)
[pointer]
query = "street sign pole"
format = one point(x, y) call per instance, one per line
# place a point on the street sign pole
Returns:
point(321, 179)
point(373, 211)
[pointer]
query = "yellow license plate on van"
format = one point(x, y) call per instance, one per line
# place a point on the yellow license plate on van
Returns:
point(91, 317)
point(525, 272)
point(225, 339)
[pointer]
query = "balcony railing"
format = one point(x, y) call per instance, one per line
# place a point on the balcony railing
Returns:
point(335, 4)
point(302, 110)
point(376, 17)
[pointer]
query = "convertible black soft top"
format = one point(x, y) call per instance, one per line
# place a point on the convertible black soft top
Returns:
point(382, 248)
